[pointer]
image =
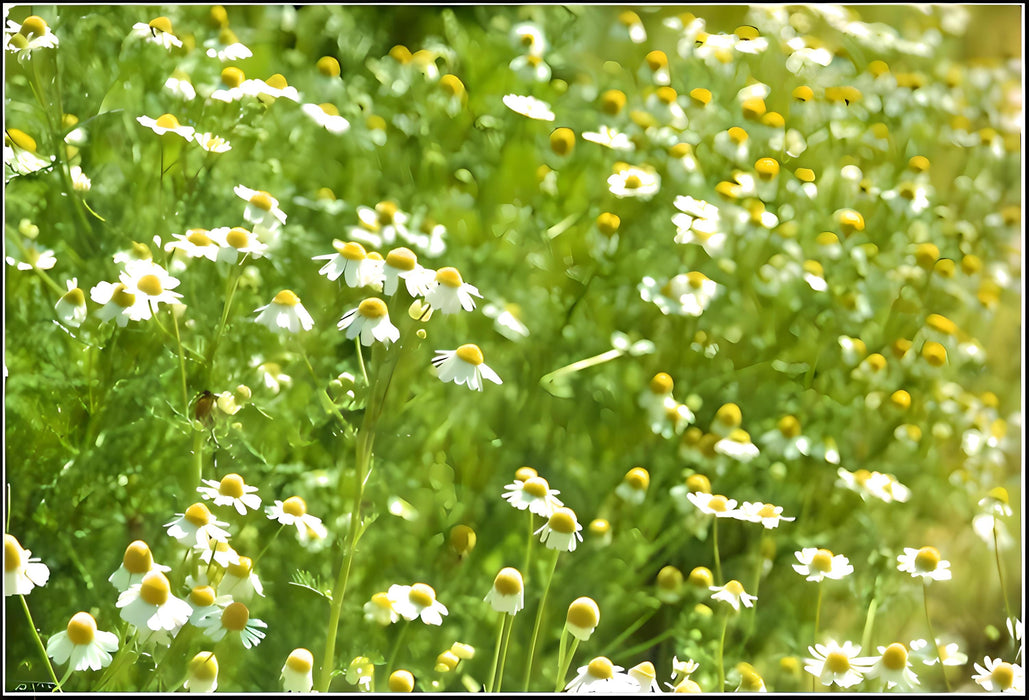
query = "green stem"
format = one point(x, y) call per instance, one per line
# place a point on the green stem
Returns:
point(565, 661)
point(39, 642)
point(509, 623)
point(932, 635)
point(721, 655)
point(182, 363)
point(198, 456)
point(231, 283)
point(866, 634)
point(119, 660)
point(270, 540)
point(650, 643)
point(718, 560)
point(1000, 575)
point(539, 621)
point(530, 540)
point(496, 652)
point(818, 614)
point(628, 631)
point(396, 646)
point(65, 677)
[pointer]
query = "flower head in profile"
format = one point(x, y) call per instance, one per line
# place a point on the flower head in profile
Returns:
point(733, 594)
point(838, 665)
point(894, 667)
point(149, 605)
point(533, 493)
point(227, 47)
point(167, 124)
point(212, 143)
point(262, 209)
point(583, 618)
point(633, 487)
point(561, 531)
point(380, 610)
point(231, 491)
point(634, 182)
point(402, 264)
point(450, 293)
point(293, 511)
point(285, 313)
point(35, 258)
point(240, 581)
point(297, 673)
point(20, 157)
point(22, 571)
point(370, 321)
point(82, 645)
point(351, 262)
point(327, 116)
point(765, 513)
point(157, 31)
point(529, 107)
point(71, 307)
point(508, 592)
point(602, 676)
point(136, 563)
point(996, 675)
point(204, 601)
point(203, 673)
point(417, 601)
point(925, 563)
point(465, 365)
point(34, 33)
point(233, 620)
point(713, 504)
point(197, 525)
point(948, 652)
point(149, 284)
point(817, 564)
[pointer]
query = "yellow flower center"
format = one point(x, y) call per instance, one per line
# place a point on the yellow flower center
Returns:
point(155, 588)
point(999, 493)
point(138, 559)
point(452, 85)
point(401, 682)
point(382, 600)
point(601, 667)
point(808, 175)
point(753, 107)
point(329, 67)
point(462, 539)
point(277, 81)
point(734, 587)
point(633, 182)
point(295, 506)
point(372, 308)
point(876, 362)
point(202, 596)
point(81, 628)
point(168, 121)
point(449, 276)
point(774, 120)
point(667, 95)
point(718, 503)
point(262, 200)
point(927, 559)
point(300, 660)
point(401, 259)
point(19, 41)
point(803, 93)
point(21, 139)
point(701, 577)
point(562, 141)
point(161, 24)
point(563, 520)
point(238, 237)
point(661, 383)
point(329, 109)
point(599, 526)
point(638, 478)
point(536, 486)
point(934, 353)
point(525, 473)
point(729, 415)
point(12, 553)
point(470, 353)
point(231, 485)
point(656, 59)
point(400, 53)
point(697, 279)
point(738, 135)
point(789, 426)
point(198, 237)
point(767, 168)
point(198, 514)
point(150, 284)
point(1003, 675)
point(508, 582)
point(901, 398)
point(701, 96)
point(612, 101)
point(941, 324)
point(75, 297)
point(822, 561)
point(767, 511)
point(697, 483)
point(895, 657)
point(227, 37)
point(422, 595)
point(233, 77)
point(235, 617)
point(669, 578)
point(286, 298)
point(837, 662)
point(204, 666)
point(813, 267)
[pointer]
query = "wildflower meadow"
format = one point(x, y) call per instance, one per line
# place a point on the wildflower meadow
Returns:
point(513, 348)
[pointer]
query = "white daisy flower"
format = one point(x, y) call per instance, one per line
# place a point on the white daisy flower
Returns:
point(713, 504)
point(645, 676)
point(137, 562)
point(297, 673)
point(529, 106)
point(196, 526)
point(582, 618)
point(351, 262)
point(534, 494)
point(530, 67)
point(231, 491)
point(450, 293)
point(894, 667)
point(82, 645)
point(464, 366)
point(233, 619)
point(240, 581)
point(417, 601)
point(950, 653)
point(226, 47)
point(203, 673)
point(149, 605)
point(273, 88)
point(698, 222)
point(71, 307)
point(34, 33)
point(817, 564)
point(996, 675)
point(601, 676)
point(380, 610)
point(765, 513)
point(35, 258)
point(506, 320)
point(738, 446)
point(118, 304)
point(611, 138)
point(634, 182)
point(561, 531)
point(180, 86)
point(925, 563)
point(80, 182)
point(632, 23)
point(530, 37)
point(370, 321)
point(293, 511)
point(633, 487)
point(203, 601)
point(285, 313)
point(157, 31)
point(508, 592)
point(218, 551)
point(150, 284)
point(20, 157)
point(22, 571)
point(835, 664)
point(733, 594)
point(271, 374)
point(195, 243)
point(167, 123)
point(262, 209)
point(326, 115)
point(402, 264)
point(235, 242)
point(212, 143)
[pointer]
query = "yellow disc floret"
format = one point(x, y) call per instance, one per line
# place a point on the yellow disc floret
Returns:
point(508, 582)
point(198, 514)
point(150, 284)
point(161, 24)
point(470, 353)
point(536, 486)
point(286, 298)
point(372, 308)
point(138, 559)
point(81, 629)
point(638, 478)
point(300, 660)
point(562, 141)
point(564, 521)
point(235, 617)
point(422, 595)
point(608, 223)
point(449, 276)
point(927, 559)
point(601, 667)
point(701, 96)
point(155, 588)
point(168, 121)
point(202, 596)
point(822, 560)
point(238, 237)
point(328, 66)
point(204, 666)
point(295, 506)
point(401, 682)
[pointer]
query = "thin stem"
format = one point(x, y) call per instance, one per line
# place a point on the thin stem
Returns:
point(182, 363)
point(496, 652)
point(509, 623)
point(530, 540)
point(628, 631)
point(360, 361)
point(932, 635)
point(721, 655)
point(65, 677)
point(718, 560)
point(866, 634)
point(198, 456)
point(1000, 575)
point(818, 614)
point(396, 646)
point(566, 661)
point(39, 642)
point(539, 621)
point(270, 540)
point(119, 660)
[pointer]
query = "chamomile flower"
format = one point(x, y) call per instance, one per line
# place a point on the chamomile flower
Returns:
point(82, 645)
point(32, 34)
point(71, 307)
point(327, 116)
point(534, 494)
point(203, 673)
point(529, 106)
point(217, 551)
point(275, 87)
point(197, 525)
point(35, 258)
point(996, 675)
point(950, 653)
point(450, 293)
point(157, 31)
point(733, 594)
point(380, 610)
point(465, 365)
point(179, 86)
point(583, 618)
point(738, 446)
point(817, 564)
point(402, 264)
point(894, 667)
point(211, 142)
point(716, 505)
point(765, 513)
point(370, 321)
point(610, 137)
point(233, 620)
point(80, 182)
point(149, 605)
point(204, 601)
point(645, 676)
point(195, 243)
point(231, 491)
point(632, 25)
point(633, 182)
point(885, 487)
point(20, 157)
point(530, 37)
point(698, 222)
point(786, 439)
point(352, 263)
point(297, 673)
point(530, 67)
point(137, 562)
point(633, 488)
point(837, 665)
point(240, 581)
point(227, 47)
point(508, 592)
point(167, 124)
point(293, 511)
point(925, 563)
point(22, 571)
point(262, 209)
point(561, 531)
point(150, 284)
point(417, 601)
point(285, 313)
point(602, 676)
